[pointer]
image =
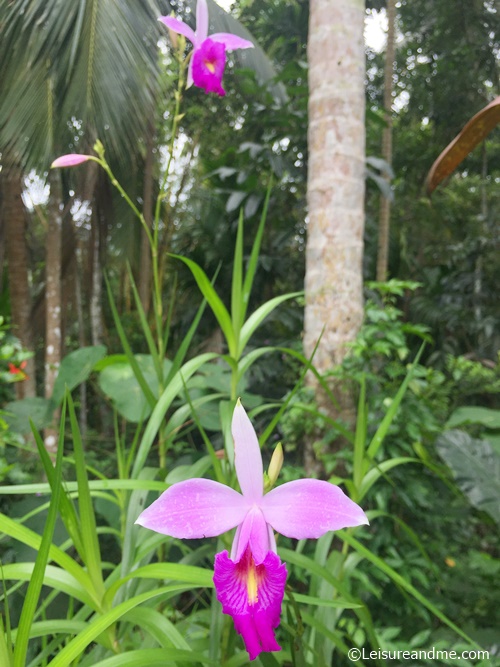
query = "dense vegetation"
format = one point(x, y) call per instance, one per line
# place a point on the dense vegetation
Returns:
point(157, 339)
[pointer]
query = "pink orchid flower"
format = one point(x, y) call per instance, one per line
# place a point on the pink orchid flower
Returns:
point(250, 584)
point(206, 67)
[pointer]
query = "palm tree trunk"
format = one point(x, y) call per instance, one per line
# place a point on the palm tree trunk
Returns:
point(14, 218)
point(335, 195)
point(385, 202)
point(335, 189)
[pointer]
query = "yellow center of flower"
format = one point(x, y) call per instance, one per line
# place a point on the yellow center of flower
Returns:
point(210, 66)
point(252, 583)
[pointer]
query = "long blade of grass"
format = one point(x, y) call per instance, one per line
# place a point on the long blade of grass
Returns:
point(54, 577)
point(148, 334)
point(150, 397)
point(345, 536)
point(33, 540)
point(214, 301)
point(257, 317)
point(36, 581)
point(173, 388)
point(381, 432)
point(6, 655)
point(87, 516)
point(237, 304)
point(254, 256)
point(66, 506)
point(360, 439)
point(100, 623)
point(154, 657)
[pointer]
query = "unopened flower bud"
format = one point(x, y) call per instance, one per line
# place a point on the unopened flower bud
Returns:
point(275, 465)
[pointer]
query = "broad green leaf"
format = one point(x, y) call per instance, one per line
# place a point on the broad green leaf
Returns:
point(75, 368)
point(476, 467)
point(472, 414)
point(119, 382)
point(19, 414)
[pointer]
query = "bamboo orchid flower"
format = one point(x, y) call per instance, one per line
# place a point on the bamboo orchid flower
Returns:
point(250, 583)
point(206, 67)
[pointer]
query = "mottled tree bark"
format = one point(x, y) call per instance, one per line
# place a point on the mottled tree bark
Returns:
point(53, 339)
point(335, 191)
point(385, 202)
point(14, 219)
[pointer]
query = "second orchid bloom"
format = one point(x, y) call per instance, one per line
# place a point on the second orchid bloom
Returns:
point(250, 582)
point(208, 59)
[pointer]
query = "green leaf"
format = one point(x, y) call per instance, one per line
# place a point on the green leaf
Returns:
point(476, 467)
point(472, 414)
point(19, 414)
point(175, 385)
point(38, 574)
point(380, 470)
point(237, 304)
point(55, 577)
point(119, 382)
point(382, 430)
point(345, 536)
point(75, 368)
point(88, 526)
point(214, 301)
point(100, 623)
point(153, 657)
point(256, 318)
point(150, 397)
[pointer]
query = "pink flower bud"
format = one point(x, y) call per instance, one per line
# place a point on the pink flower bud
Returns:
point(70, 160)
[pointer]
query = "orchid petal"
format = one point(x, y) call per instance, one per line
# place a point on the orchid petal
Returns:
point(247, 456)
point(194, 509)
point(201, 20)
point(70, 160)
point(180, 27)
point(252, 533)
point(230, 41)
point(309, 508)
point(252, 594)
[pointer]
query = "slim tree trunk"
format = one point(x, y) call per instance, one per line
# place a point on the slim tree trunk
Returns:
point(335, 195)
point(14, 218)
point(53, 339)
point(385, 202)
point(335, 189)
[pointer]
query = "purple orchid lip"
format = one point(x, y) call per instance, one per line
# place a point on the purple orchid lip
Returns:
point(250, 583)
point(206, 67)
